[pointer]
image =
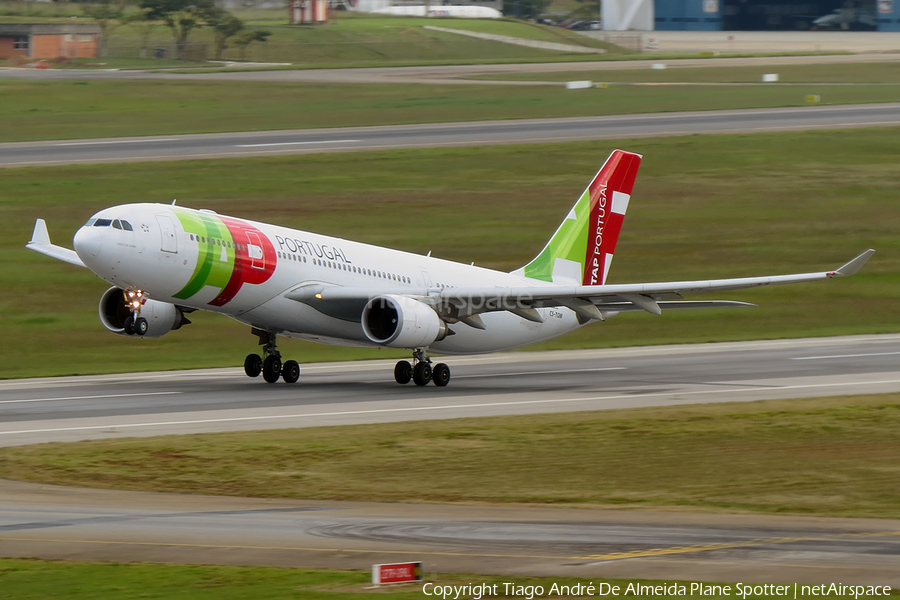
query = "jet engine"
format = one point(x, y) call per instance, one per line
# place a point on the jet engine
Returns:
point(402, 322)
point(162, 317)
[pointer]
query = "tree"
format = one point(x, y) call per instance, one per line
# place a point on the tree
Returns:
point(181, 16)
point(144, 27)
point(226, 26)
point(248, 37)
point(107, 16)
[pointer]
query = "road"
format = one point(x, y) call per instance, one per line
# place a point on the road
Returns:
point(52, 522)
point(346, 139)
point(448, 74)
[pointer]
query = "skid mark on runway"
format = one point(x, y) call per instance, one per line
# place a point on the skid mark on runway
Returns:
point(730, 545)
point(283, 548)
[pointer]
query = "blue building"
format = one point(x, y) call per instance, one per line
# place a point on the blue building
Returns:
point(772, 15)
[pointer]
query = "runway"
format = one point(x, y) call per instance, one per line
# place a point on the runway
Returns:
point(348, 139)
point(144, 404)
point(55, 522)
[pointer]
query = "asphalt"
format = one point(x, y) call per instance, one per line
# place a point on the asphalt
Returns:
point(143, 404)
point(56, 522)
point(346, 139)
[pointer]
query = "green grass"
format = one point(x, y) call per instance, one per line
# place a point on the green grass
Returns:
point(831, 457)
point(703, 207)
point(834, 73)
point(37, 580)
point(40, 110)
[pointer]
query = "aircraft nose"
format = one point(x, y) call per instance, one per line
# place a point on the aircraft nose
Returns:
point(87, 242)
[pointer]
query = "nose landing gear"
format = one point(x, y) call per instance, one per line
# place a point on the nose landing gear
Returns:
point(422, 372)
point(135, 324)
point(271, 368)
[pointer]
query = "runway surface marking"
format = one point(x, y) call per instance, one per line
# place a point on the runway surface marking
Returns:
point(729, 545)
point(98, 143)
point(96, 396)
point(297, 548)
point(655, 552)
point(845, 356)
point(446, 407)
point(545, 372)
point(296, 143)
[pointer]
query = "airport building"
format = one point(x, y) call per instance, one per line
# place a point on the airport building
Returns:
point(49, 40)
point(751, 15)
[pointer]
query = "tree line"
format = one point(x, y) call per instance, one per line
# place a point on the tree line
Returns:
point(181, 17)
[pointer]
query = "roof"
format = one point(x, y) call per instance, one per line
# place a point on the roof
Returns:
point(8, 29)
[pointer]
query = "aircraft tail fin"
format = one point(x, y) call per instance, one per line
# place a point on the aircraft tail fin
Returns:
point(581, 250)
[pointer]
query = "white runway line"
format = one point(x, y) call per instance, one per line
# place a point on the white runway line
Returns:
point(117, 142)
point(845, 356)
point(96, 396)
point(295, 143)
point(541, 372)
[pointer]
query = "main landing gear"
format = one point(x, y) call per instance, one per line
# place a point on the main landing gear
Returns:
point(422, 372)
point(271, 367)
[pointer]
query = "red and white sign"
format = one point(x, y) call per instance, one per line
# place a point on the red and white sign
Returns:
point(397, 573)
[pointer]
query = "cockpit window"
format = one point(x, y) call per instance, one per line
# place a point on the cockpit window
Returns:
point(90, 222)
point(102, 222)
point(117, 224)
point(127, 226)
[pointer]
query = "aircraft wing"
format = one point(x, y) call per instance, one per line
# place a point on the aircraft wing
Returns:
point(40, 242)
point(590, 302)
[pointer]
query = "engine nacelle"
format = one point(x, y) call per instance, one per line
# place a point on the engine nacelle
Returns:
point(401, 322)
point(162, 317)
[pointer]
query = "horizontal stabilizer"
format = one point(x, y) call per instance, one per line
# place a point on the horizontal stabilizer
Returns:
point(40, 242)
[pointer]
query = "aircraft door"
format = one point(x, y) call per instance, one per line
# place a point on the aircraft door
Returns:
point(256, 253)
point(426, 278)
point(169, 241)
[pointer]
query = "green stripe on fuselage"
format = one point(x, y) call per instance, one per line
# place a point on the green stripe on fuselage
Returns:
point(215, 256)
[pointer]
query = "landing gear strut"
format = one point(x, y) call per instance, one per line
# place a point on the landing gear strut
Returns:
point(271, 367)
point(422, 372)
point(135, 324)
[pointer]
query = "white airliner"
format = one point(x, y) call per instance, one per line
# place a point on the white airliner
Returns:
point(165, 261)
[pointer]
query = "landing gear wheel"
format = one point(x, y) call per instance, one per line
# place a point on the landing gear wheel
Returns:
point(141, 326)
point(290, 372)
point(128, 326)
point(271, 369)
point(253, 365)
point(403, 372)
point(440, 374)
point(422, 373)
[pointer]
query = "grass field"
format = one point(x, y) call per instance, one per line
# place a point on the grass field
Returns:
point(824, 457)
point(347, 37)
point(40, 110)
point(703, 207)
point(38, 580)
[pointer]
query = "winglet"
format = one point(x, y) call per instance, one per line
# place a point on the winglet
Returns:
point(40, 235)
point(853, 267)
point(40, 242)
